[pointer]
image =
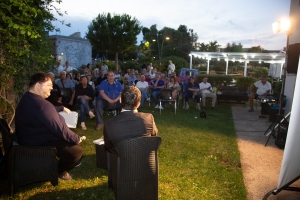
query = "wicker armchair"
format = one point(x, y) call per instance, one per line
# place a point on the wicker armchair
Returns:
point(27, 164)
point(133, 169)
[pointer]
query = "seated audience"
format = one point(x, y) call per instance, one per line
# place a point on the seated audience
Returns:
point(77, 78)
point(90, 82)
point(157, 85)
point(55, 95)
point(131, 79)
point(153, 73)
point(148, 79)
point(68, 68)
point(263, 88)
point(191, 91)
point(206, 91)
point(58, 68)
point(87, 70)
point(39, 124)
point(143, 87)
point(174, 86)
point(83, 97)
point(65, 82)
point(109, 93)
point(126, 76)
point(117, 76)
point(130, 123)
point(101, 78)
point(177, 80)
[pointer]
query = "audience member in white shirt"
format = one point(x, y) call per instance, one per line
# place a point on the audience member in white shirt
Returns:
point(143, 86)
point(206, 91)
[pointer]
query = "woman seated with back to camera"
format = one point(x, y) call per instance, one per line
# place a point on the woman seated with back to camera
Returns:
point(191, 91)
point(174, 86)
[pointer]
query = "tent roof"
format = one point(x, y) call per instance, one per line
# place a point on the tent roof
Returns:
point(242, 56)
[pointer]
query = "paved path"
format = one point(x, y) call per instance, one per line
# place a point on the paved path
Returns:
point(260, 164)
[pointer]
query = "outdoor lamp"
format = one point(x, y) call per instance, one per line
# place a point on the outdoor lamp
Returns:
point(283, 25)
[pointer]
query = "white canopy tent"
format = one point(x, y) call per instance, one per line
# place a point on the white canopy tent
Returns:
point(244, 57)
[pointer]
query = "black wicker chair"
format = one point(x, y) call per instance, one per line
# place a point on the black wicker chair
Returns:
point(166, 96)
point(133, 169)
point(27, 164)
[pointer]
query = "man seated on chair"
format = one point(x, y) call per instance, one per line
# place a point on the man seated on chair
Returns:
point(109, 93)
point(129, 123)
point(38, 123)
point(206, 91)
point(143, 86)
point(83, 97)
point(191, 91)
point(263, 88)
point(65, 82)
point(157, 85)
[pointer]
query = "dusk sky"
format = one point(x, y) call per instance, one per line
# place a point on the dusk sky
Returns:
point(239, 21)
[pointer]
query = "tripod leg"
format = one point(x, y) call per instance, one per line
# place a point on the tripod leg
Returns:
point(269, 138)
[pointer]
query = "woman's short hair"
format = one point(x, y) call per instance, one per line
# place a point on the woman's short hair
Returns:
point(130, 97)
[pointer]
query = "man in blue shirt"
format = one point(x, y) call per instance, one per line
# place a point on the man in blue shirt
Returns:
point(109, 93)
point(157, 84)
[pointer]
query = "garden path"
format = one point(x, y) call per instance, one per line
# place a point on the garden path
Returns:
point(260, 164)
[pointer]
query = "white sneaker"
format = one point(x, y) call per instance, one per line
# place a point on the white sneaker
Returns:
point(148, 99)
point(83, 127)
point(91, 114)
point(157, 106)
point(198, 108)
point(160, 107)
point(187, 107)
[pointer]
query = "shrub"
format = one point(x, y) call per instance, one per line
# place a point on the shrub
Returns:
point(215, 79)
point(243, 81)
point(277, 87)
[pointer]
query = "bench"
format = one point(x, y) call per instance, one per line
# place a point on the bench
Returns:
point(232, 94)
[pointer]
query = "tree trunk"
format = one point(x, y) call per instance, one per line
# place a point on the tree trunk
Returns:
point(116, 61)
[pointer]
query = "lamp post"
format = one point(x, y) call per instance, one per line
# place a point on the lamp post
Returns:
point(160, 49)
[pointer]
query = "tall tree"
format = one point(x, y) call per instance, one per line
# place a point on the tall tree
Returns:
point(24, 44)
point(257, 49)
point(234, 48)
point(115, 33)
point(180, 41)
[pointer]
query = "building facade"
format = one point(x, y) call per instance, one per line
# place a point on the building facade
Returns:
point(74, 49)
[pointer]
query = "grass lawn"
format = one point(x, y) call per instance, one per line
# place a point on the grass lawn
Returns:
point(198, 159)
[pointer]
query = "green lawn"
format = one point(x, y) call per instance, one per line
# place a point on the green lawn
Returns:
point(198, 159)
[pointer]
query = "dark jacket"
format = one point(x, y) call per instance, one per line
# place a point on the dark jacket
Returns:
point(128, 124)
point(38, 122)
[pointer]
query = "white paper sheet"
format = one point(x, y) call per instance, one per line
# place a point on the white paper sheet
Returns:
point(99, 142)
point(71, 118)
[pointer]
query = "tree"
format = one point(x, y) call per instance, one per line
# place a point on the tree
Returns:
point(210, 47)
point(234, 48)
point(257, 49)
point(115, 33)
point(24, 44)
point(180, 41)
